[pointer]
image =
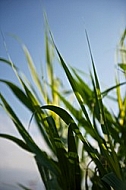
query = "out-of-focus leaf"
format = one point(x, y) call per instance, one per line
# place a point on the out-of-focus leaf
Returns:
point(104, 93)
point(119, 98)
point(123, 37)
point(41, 156)
point(122, 66)
point(50, 180)
point(18, 93)
point(8, 62)
point(113, 181)
point(33, 71)
point(18, 141)
point(23, 187)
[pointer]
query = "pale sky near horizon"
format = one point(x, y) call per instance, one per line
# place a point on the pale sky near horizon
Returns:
point(104, 21)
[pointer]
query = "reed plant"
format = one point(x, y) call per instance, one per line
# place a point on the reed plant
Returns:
point(87, 141)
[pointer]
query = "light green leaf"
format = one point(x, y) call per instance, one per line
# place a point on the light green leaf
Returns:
point(122, 66)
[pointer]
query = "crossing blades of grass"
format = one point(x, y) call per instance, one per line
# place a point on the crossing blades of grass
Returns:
point(41, 156)
point(18, 141)
point(69, 121)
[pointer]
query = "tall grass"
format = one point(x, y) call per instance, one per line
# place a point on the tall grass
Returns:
point(69, 131)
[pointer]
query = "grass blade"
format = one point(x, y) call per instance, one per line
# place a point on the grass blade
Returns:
point(60, 153)
point(18, 141)
point(112, 180)
point(18, 93)
point(69, 121)
point(42, 157)
point(75, 175)
point(33, 71)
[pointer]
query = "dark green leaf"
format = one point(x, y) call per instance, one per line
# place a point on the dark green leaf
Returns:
point(42, 157)
point(69, 121)
point(75, 175)
point(19, 142)
point(18, 93)
point(112, 180)
point(60, 153)
point(8, 62)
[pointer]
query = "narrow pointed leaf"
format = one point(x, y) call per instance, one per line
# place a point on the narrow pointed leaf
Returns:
point(69, 121)
point(18, 141)
point(75, 175)
point(72, 83)
point(60, 153)
point(33, 71)
point(18, 93)
point(42, 157)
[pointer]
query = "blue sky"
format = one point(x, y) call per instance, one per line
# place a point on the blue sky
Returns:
point(104, 21)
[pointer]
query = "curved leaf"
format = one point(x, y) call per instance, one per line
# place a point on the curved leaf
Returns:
point(18, 93)
point(18, 141)
point(69, 121)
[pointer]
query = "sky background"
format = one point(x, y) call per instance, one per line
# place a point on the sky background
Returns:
point(104, 21)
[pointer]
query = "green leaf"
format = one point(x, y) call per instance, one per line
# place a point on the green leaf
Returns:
point(60, 153)
point(75, 175)
point(59, 111)
point(18, 141)
point(113, 181)
point(33, 71)
point(100, 114)
point(30, 101)
point(104, 93)
point(50, 180)
point(49, 62)
point(123, 37)
point(41, 156)
point(18, 93)
point(99, 110)
point(25, 135)
point(73, 84)
point(8, 62)
point(122, 66)
point(69, 121)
